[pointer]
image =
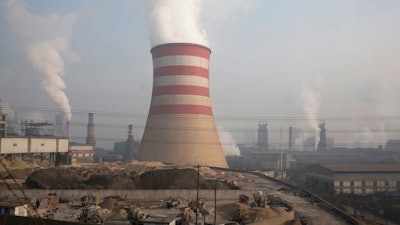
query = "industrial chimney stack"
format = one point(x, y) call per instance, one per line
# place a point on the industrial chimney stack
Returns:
point(290, 138)
point(67, 129)
point(180, 126)
point(90, 137)
point(130, 143)
point(322, 145)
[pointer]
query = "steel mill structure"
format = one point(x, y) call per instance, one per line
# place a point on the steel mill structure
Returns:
point(180, 126)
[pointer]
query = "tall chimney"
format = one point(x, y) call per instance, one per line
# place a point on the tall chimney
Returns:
point(290, 138)
point(67, 129)
point(322, 145)
point(130, 133)
point(180, 126)
point(90, 137)
point(130, 144)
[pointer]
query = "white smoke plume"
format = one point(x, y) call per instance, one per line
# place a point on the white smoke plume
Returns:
point(46, 41)
point(311, 101)
point(228, 143)
point(175, 21)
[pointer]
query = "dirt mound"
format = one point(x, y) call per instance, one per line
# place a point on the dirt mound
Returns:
point(169, 179)
point(17, 162)
point(119, 176)
point(80, 178)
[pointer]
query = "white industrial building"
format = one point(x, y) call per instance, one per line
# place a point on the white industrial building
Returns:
point(46, 148)
point(27, 145)
point(81, 152)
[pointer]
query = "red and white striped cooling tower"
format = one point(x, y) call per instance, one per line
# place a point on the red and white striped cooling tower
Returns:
point(180, 126)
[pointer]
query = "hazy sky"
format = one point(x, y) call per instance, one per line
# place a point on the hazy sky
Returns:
point(287, 63)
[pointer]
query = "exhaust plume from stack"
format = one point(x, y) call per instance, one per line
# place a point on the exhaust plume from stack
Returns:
point(180, 126)
point(311, 101)
point(175, 21)
point(46, 42)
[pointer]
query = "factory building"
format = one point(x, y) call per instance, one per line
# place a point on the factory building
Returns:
point(273, 160)
point(45, 148)
point(35, 141)
point(127, 148)
point(80, 153)
point(358, 179)
point(180, 127)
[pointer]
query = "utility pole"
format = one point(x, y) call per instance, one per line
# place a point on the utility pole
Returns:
point(280, 147)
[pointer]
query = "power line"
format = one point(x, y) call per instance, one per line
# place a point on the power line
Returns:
point(229, 118)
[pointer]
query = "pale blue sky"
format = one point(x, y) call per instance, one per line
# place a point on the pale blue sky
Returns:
point(270, 60)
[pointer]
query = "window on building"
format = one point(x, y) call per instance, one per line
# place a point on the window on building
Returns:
point(15, 144)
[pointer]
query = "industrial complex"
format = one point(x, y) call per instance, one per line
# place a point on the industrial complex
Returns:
point(262, 183)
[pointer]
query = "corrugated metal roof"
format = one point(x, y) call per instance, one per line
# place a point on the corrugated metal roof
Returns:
point(361, 168)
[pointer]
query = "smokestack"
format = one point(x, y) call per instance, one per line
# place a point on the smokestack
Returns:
point(290, 138)
point(131, 151)
point(130, 133)
point(322, 146)
point(67, 129)
point(180, 126)
point(90, 137)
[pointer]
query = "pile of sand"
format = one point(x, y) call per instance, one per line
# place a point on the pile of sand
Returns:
point(17, 162)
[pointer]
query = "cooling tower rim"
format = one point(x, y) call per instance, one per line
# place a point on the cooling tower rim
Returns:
point(180, 44)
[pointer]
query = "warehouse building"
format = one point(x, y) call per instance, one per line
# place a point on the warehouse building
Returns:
point(359, 179)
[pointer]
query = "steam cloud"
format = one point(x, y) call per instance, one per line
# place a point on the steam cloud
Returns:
point(46, 41)
point(175, 21)
point(228, 143)
point(311, 96)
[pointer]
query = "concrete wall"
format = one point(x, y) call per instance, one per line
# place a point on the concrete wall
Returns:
point(133, 194)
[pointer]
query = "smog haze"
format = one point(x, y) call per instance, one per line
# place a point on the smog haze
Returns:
point(282, 62)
